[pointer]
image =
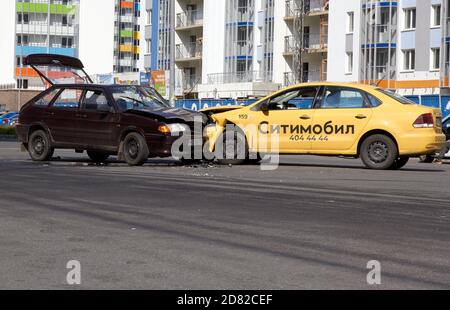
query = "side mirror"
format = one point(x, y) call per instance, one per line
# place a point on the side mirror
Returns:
point(265, 106)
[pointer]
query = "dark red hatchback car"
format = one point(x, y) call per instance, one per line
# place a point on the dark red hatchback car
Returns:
point(132, 122)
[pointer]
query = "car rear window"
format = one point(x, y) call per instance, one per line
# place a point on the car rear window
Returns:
point(395, 96)
point(45, 100)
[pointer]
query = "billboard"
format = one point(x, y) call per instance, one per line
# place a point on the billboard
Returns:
point(145, 79)
point(158, 78)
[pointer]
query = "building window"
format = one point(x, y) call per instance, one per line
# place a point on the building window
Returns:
point(409, 60)
point(350, 22)
point(349, 65)
point(410, 19)
point(436, 15)
point(435, 59)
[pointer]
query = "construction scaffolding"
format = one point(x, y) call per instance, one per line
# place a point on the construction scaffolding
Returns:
point(299, 21)
point(307, 38)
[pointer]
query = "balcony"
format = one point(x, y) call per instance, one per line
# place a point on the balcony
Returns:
point(189, 52)
point(240, 77)
point(189, 20)
point(292, 9)
point(316, 7)
point(315, 43)
point(45, 29)
point(383, 33)
point(308, 76)
point(289, 46)
point(310, 8)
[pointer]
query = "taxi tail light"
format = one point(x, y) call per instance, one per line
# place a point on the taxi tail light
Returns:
point(424, 121)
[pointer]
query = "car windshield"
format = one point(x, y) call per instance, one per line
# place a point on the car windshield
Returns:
point(395, 96)
point(136, 97)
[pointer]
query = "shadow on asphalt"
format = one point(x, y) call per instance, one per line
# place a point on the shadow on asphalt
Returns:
point(85, 162)
point(406, 169)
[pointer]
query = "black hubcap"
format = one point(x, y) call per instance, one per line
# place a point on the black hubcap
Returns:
point(133, 148)
point(39, 145)
point(378, 152)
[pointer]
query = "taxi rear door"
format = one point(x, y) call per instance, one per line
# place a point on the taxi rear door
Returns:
point(341, 114)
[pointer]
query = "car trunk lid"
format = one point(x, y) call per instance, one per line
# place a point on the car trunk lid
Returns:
point(58, 69)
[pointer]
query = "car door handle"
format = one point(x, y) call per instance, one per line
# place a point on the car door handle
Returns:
point(82, 115)
point(305, 117)
point(360, 116)
point(49, 113)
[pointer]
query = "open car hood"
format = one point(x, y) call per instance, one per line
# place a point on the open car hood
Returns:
point(170, 114)
point(58, 69)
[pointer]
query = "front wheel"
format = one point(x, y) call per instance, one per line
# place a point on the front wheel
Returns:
point(39, 146)
point(234, 148)
point(135, 149)
point(98, 157)
point(379, 152)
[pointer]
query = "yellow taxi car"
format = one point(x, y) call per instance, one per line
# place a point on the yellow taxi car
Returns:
point(378, 126)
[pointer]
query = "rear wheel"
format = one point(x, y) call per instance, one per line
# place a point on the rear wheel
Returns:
point(135, 149)
point(98, 157)
point(234, 148)
point(400, 163)
point(39, 146)
point(379, 152)
point(426, 159)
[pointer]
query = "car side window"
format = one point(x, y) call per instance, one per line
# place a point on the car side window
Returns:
point(299, 99)
point(343, 98)
point(45, 100)
point(374, 102)
point(68, 99)
point(94, 100)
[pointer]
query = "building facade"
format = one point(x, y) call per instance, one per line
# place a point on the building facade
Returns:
point(107, 43)
point(44, 26)
point(127, 36)
point(237, 48)
point(401, 45)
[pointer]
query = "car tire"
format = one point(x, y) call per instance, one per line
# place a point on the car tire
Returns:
point(234, 148)
point(135, 149)
point(426, 159)
point(378, 152)
point(39, 146)
point(400, 163)
point(98, 157)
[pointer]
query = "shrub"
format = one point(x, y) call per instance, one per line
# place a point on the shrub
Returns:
point(8, 131)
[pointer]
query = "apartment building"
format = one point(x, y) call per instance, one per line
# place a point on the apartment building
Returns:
point(127, 36)
point(237, 48)
point(107, 43)
point(44, 26)
point(402, 45)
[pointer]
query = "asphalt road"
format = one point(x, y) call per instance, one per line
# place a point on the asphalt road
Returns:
point(312, 224)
